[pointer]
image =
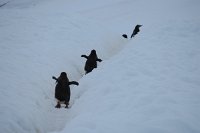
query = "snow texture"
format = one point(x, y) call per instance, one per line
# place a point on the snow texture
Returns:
point(147, 84)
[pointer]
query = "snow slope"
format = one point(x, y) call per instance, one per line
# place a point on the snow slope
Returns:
point(146, 84)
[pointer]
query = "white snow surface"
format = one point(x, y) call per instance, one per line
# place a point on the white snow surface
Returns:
point(147, 84)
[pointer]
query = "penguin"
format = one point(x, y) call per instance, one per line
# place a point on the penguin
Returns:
point(125, 36)
point(91, 62)
point(136, 30)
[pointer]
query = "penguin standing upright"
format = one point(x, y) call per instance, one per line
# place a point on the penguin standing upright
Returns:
point(136, 30)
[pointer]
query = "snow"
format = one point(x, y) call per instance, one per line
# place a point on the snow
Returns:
point(147, 84)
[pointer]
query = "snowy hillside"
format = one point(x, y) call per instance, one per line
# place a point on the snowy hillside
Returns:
point(147, 84)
